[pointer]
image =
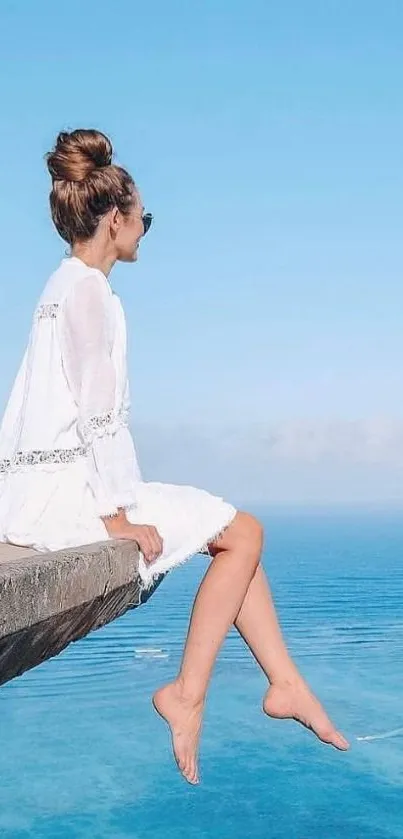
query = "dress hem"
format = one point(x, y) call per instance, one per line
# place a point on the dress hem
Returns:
point(150, 573)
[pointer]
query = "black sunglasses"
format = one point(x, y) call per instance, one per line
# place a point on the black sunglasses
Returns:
point(147, 220)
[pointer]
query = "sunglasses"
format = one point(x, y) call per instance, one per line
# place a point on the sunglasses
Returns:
point(147, 222)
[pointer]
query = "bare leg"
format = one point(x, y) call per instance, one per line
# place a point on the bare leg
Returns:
point(289, 695)
point(235, 590)
point(215, 609)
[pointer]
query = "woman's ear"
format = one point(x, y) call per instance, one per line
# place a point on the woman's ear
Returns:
point(115, 220)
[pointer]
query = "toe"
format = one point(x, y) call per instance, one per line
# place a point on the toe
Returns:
point(193, 772)
point(334, 738)
point(181, 761)
point(187, 768)
point(340, 742)
point(188, 775)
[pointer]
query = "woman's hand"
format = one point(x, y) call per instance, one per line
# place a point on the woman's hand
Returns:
point(146, 535)
point(147, 538)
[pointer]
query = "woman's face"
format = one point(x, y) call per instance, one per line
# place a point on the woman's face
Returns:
point(129, 232)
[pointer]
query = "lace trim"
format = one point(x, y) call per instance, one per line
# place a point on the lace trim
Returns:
point(106, 423)
point(113, 512)
point(35, 458)
point(95, 426)
point(46, 310)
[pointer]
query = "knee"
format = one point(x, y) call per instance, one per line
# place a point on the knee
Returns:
point(250, 534)
point(253, 530)
point(245, 534)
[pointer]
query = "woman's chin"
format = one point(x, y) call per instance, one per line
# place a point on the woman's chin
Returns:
point(129, 257)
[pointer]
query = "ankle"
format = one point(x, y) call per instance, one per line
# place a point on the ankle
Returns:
point(286, 677)
point(188, 691)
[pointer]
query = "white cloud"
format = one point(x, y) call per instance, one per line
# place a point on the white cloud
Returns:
point(375, 440)
point(291, 462)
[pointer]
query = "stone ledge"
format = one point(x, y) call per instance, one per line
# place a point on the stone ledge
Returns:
point(49, 599)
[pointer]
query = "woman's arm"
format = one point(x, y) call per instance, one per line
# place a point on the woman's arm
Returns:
point(86, 333)
point(146, 536)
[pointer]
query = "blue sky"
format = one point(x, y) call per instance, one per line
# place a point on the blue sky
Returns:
point(266, 139)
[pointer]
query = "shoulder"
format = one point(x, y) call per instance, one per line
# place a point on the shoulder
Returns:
point(73, 278)
point(87, 287)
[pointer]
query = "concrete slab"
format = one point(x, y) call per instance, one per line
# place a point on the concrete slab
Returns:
point(9, 552)
point(49, 599)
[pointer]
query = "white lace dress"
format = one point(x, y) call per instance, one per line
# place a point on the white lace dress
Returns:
point(66, 451)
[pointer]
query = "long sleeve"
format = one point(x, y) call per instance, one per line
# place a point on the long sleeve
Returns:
point(86, 333)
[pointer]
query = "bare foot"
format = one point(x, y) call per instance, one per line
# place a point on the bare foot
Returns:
point(294, 700)
point(184, 719)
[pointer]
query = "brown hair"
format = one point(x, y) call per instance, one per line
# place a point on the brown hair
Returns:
point(85, 183)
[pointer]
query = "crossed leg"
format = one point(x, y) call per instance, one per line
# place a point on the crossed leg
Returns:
point(234, 590)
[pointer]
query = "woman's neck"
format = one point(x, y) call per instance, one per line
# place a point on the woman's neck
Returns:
point(94, 256)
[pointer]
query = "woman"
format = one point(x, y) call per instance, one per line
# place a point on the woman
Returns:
point(69, 468)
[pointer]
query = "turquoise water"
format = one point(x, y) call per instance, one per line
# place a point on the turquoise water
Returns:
point(83, 755)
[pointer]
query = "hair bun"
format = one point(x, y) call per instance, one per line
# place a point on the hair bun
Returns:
point(77, 154)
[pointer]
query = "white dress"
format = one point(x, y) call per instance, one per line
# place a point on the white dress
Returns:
point(67, 455)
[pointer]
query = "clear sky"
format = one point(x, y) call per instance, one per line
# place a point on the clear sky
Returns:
point(267, 140)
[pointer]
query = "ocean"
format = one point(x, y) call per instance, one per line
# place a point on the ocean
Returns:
point(83, 755)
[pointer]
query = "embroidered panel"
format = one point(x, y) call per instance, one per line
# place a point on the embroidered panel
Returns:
point(35, 458)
